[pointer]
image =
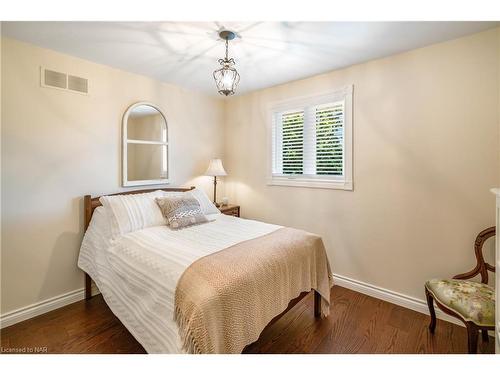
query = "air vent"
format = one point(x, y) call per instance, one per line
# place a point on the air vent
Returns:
point(63, 81)
point(78, 84)
point(54, 79)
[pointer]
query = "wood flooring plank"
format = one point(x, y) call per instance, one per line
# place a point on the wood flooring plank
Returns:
point(357, 324)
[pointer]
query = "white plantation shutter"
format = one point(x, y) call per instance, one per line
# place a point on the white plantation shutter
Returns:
point(329, 123)
point(309, 141)
point(292, 142)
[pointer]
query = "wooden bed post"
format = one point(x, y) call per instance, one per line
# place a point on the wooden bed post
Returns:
point(317, 304)
point(88, 287)
point(87, 212)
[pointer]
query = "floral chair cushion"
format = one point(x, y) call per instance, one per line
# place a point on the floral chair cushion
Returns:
point(473, 301)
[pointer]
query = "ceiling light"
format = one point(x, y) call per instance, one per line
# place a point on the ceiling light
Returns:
point(226, 78)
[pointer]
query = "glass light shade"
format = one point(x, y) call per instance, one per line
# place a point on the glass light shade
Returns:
point(226, 79)
point(215, 168)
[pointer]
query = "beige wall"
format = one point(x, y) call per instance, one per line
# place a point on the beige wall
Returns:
point(426, 153)
point(58, 146)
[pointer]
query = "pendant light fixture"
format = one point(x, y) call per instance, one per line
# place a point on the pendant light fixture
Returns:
point(226, 78)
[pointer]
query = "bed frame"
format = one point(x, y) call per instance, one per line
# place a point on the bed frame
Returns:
point(90, 204)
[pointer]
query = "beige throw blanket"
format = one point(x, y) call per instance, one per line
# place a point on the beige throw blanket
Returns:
point(223, 301)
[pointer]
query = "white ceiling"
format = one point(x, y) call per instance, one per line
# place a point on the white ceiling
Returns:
point(266, 53)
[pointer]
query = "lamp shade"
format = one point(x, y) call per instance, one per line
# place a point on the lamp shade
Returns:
point(215, 168)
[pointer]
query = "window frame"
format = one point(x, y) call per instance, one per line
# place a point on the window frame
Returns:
point(344, 182)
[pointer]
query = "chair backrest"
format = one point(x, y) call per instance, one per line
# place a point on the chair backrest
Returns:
point(481, 267)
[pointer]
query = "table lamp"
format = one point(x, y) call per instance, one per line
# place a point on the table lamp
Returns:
point(215, 169)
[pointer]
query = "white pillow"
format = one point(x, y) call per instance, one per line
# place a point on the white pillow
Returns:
point(132, 212)
point(207, 207)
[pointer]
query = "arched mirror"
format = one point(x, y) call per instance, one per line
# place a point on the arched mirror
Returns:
point(145, 146)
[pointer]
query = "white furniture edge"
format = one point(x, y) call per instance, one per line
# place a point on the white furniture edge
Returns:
point(497, 268)
point(383, 294)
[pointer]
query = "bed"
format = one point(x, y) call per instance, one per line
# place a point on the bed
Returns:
point(158, 281)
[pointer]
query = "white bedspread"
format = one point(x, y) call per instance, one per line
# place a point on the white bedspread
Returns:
point(137, 273)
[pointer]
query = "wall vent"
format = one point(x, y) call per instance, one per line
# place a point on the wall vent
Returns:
point(54, 79)
point(78, 84)
point(62, 81)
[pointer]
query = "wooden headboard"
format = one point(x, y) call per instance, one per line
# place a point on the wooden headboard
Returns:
point(90, 204)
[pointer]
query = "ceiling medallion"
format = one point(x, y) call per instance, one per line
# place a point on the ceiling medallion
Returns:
point(226, 78)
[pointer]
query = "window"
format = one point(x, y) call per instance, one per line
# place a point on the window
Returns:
point(312, 141)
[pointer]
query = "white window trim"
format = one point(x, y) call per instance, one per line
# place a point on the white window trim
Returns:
point(165, 179)
point(344, 182)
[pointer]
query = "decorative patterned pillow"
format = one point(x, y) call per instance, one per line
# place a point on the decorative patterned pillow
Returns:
point(181, 211)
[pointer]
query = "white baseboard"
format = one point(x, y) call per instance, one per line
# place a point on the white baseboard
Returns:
point(396, 298)
point(39, 308)
point(42, 307)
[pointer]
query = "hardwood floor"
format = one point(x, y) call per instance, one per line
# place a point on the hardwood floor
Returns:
point(357, 324)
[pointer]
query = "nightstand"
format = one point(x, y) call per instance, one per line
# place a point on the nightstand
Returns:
point(230, 209)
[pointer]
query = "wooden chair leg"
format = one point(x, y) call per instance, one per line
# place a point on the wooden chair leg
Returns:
point(484, 335)
point(430, 304)
point(472, 334)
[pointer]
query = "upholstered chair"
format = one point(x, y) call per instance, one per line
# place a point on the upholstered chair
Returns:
point(471, 302)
